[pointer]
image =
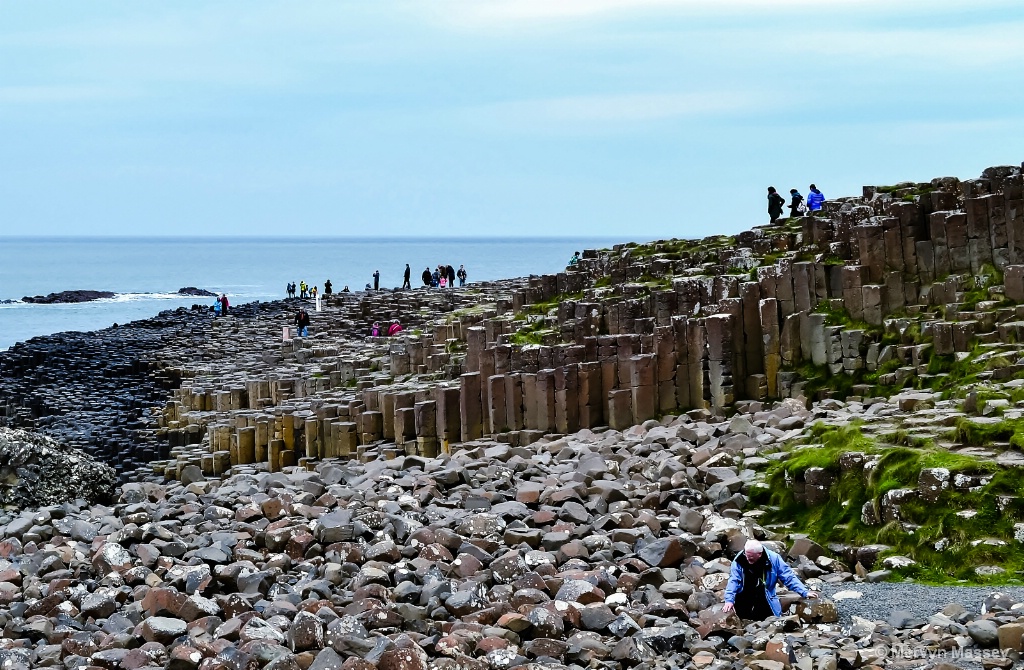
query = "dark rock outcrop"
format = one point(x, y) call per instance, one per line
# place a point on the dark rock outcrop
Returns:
point(192, 290)
point(67, 297)
point(36, 470)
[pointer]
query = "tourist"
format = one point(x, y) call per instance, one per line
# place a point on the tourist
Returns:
point(224, 304)
point(426, 276)
point(815, 199)
point(752, 579)
point(435, 279)
point(405, 277)
point(216, 307)
point(775, 203)
point(328, 287)
point(375, 330)
point(394, 329)
point(302, 289)
point(461, 274)
point(376, 280)
point(443, 281)
point(796, 204)
point(345, 290)
point(575, 259)
point(449, 272)
point(288, 290)
point(312, 292)
point(302, 323)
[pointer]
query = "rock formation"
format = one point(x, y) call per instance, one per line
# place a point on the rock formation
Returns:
point(67, 297)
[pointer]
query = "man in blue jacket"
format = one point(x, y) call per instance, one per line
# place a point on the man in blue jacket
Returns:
point(751, 589)
point(815, 199)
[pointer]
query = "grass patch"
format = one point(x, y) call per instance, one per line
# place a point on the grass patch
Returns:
point(947, 546)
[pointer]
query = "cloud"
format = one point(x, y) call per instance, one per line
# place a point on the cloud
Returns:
point(29, 95)
point(474, 13)
point(611, 109)
point(962, 47)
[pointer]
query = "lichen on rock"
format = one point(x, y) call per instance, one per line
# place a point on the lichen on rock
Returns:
point(36, 470)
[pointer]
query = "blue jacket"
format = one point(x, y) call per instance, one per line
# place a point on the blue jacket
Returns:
point(777, 571)
point(815, 200)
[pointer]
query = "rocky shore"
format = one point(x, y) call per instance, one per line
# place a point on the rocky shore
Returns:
point(67, 297)
point(554, 471)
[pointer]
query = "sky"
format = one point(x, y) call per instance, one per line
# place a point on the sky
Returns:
point(639, 119)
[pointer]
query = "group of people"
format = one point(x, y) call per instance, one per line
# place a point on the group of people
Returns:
point(306, 291)
point(221, 305)
point(797, 205)
point(443, 276)
point(393, 328)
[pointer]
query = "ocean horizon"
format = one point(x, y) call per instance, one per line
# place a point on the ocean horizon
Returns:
point(146, 272)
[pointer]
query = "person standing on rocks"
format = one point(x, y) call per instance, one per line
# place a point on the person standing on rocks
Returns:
point(752, 579)
point(376, 280)
point(775, 203)
point(426, 276)
point(224, 304)
point(302, 323)
point(450, 273)
point(461, 274)
point(796, 204)
point(405, 277)
point(815, 199)
point(328, 287)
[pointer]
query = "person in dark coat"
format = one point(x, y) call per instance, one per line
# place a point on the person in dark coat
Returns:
point(796, 203)
point(775, 203)
point(302, 323)
point(435, 279)
point(752, 579)
point(405, 280)
point(376, 280)
point(426, 276)
point(450, 273)
point(328, 287)
point(461, 274)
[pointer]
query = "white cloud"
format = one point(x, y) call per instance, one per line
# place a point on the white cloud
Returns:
point(974, 46)
point(477, 13)
point(610, 109)
point(28, 95)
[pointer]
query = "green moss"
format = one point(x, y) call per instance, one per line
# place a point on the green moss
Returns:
point(987, 538)
point(983, 434)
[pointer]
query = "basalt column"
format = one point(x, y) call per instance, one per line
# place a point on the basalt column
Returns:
point(471, 406)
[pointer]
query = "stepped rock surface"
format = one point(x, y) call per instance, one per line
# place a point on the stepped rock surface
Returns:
point(555, 471)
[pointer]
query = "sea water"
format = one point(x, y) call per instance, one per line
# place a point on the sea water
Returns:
point(146, 273)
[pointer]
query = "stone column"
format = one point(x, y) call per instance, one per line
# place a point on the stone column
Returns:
point(665, 348)
point(425, 420)
point(591, 397)
point(752, 345)
point(772, 353)
point(719, 337)
point(567, 412)
point(545, 400)
point(449, 413)
point(496, 405)
point(643, 384)
point(470, 406)
point(620, 412)
point(514, 401)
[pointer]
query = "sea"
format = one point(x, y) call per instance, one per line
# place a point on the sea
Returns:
point(145, 273)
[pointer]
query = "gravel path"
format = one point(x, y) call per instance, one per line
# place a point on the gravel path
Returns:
point(879, 600)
